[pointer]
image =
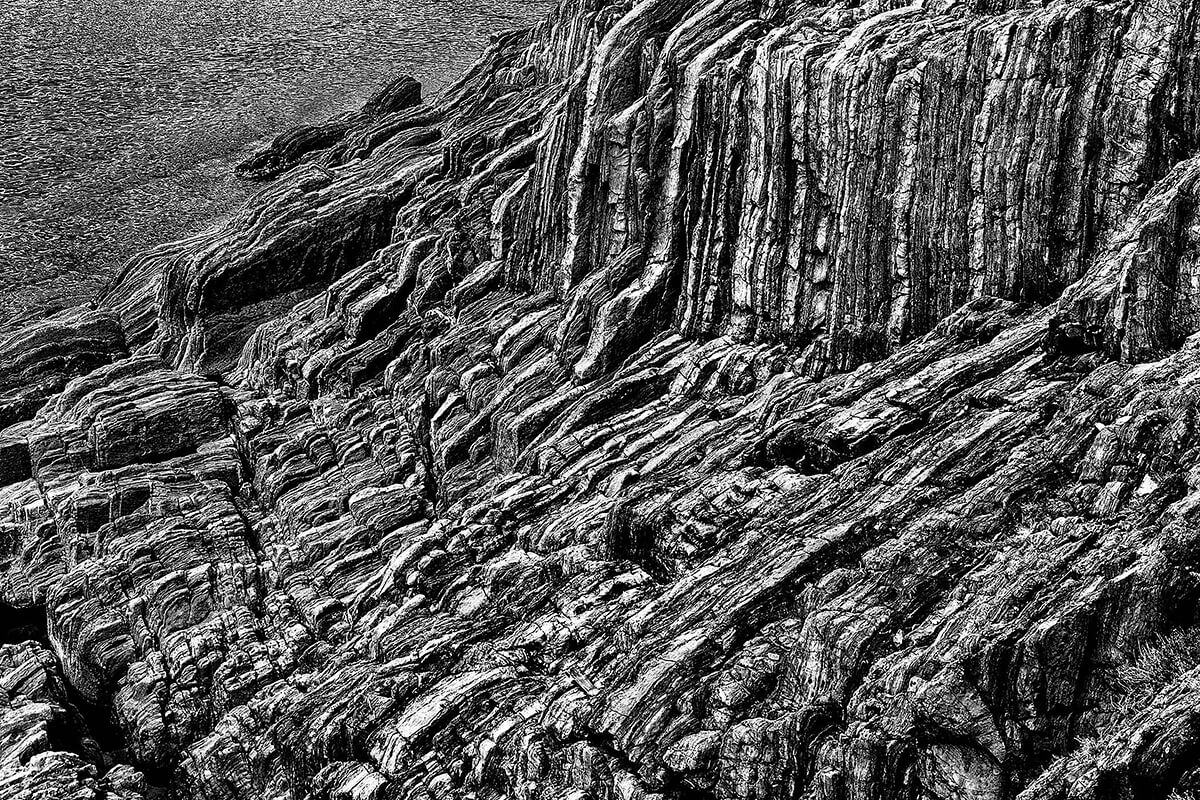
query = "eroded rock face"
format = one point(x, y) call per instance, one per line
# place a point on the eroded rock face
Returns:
point(308, 142)
point(718, 400)
point(46, 747)
point(37, 361)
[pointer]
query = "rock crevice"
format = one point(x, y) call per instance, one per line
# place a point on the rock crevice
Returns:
point(730, 400)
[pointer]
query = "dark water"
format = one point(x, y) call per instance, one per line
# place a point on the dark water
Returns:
point(120, 119)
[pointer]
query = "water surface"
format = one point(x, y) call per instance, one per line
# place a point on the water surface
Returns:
point(120, 119)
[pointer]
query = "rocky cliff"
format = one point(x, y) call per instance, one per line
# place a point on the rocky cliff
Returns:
point(718, 400)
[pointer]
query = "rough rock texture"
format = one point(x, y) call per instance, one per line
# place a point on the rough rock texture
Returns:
point(699, 400)
point(307, 141)
point(46, 747)
point(36, 362)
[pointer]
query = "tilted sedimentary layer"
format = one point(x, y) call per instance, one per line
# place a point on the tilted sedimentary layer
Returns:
point(699, 400)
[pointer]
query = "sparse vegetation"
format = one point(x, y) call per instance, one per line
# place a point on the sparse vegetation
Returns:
point(1158, 664)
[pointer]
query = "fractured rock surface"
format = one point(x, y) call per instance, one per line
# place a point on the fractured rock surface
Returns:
point(698, 400)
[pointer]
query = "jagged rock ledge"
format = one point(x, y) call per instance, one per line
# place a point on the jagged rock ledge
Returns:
point(731, 399)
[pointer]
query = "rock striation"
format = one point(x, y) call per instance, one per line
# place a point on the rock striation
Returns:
point(308, 141)
point(732, 400)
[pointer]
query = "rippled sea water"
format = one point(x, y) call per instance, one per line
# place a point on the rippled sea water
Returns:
point(120, 120)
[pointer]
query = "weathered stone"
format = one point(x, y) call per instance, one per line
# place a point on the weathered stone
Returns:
point(306, 141)
point(698, 400)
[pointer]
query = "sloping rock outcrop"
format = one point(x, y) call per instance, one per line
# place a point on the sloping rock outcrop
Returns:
point(307, 141)
point(732, 400)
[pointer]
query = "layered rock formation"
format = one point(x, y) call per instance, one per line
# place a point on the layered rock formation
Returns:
point(296, 145)
point(729, 399)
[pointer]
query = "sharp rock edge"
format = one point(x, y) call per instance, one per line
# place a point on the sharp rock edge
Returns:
point(698, 400)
